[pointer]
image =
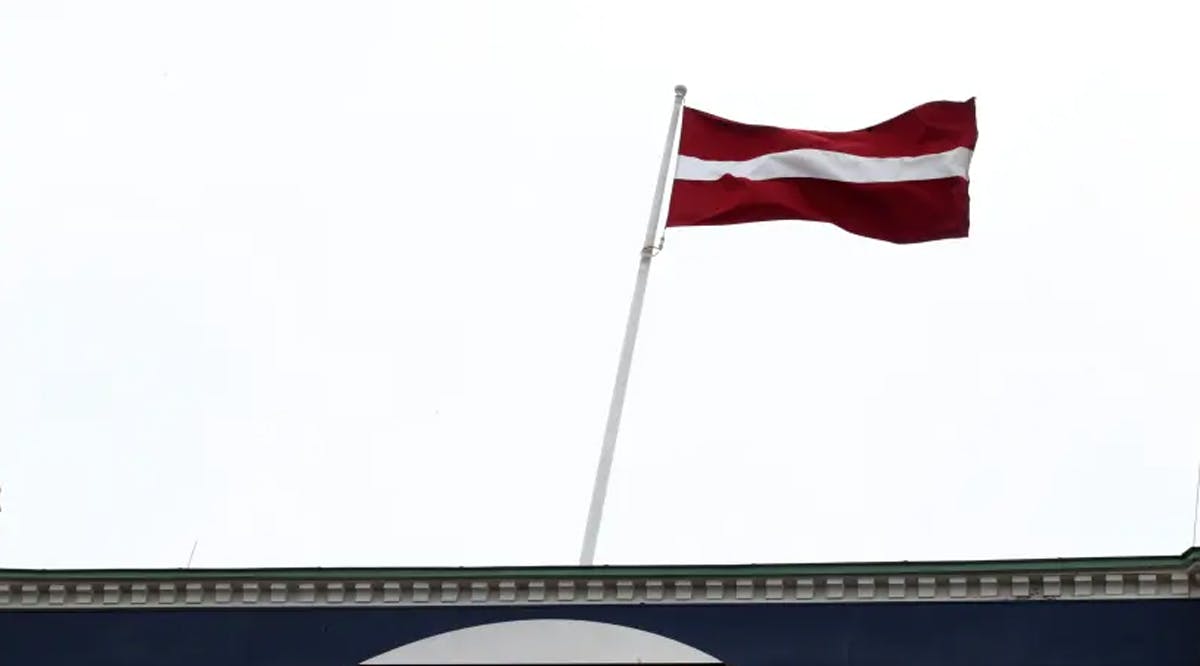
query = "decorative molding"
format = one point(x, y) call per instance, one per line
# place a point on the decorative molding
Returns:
point(1052, 585)
point(1147, 584)
point(1114, 584)
point(365, 592)
point(306, 593)
point(683, 590)
point(566, 590)
point(774, 589)
point(926, 587)
point(989, 586)
point(420, 592)
point(536, 592)
point(193, 593)
point(654, 590)
point(744, 590)
point(392, 592)
point(714, 590)
point(1083, 586)
point(1180, 584)
point(958, 587)
point(17, 594)
point(625, 590)
point(866, 588)
point(835, 589)
point(335, 593)
point(250, 594)
point(804, 588)
point(1020, 586)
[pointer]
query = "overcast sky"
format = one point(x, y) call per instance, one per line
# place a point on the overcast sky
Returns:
point(344, 283)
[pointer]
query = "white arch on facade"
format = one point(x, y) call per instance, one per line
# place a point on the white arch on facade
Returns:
point(543, 642)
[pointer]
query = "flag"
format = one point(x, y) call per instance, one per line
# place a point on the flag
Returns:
point(903, 180)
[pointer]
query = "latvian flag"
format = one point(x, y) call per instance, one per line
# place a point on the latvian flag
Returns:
point(903, 180)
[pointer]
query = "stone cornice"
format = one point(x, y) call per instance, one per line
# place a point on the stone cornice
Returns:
point(1111, 579)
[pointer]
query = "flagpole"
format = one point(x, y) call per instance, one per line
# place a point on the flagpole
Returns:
point(600, 489)
point(1196, 508)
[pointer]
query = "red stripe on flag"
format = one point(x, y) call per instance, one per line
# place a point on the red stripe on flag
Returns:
point(930, 128)
point(900, 212)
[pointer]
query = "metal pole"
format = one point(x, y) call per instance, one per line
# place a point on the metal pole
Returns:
point(588, 553)
point(1196, 508)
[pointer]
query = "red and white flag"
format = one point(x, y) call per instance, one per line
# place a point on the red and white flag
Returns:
point(903, 180)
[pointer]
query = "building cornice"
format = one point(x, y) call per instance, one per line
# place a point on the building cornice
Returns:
point(1092, 579)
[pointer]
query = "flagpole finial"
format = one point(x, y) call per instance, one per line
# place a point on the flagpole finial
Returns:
point(680, 90)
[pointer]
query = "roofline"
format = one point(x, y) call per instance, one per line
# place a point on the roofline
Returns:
point(1188, 559)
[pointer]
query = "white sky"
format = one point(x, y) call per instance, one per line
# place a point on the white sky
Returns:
point(343, 283)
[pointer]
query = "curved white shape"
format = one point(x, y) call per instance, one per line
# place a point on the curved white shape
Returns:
point(830, 165)
point(544, 642)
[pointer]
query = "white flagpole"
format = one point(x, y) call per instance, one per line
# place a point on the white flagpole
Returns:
point(596, 510)
point(1196, 508)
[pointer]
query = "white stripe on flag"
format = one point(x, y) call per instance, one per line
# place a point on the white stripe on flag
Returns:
point(830, 165)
